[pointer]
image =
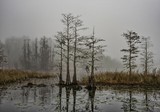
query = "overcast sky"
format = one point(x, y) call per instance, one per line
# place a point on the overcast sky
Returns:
point(36, 18)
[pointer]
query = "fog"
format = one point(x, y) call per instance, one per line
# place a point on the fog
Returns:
point(36, 18)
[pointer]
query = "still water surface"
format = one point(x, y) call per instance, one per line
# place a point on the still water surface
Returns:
point(51, 98)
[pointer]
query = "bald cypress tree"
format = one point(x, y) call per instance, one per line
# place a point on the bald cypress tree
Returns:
point(146, 54)
point(95, 49)
point(60, 45)
point(77, 26)
point(68, 23)
point(131, 53)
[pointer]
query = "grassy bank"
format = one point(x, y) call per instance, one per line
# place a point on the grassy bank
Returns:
point(9, 76)
point(121, 78)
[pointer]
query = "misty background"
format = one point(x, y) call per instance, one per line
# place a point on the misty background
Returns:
point(38, 18)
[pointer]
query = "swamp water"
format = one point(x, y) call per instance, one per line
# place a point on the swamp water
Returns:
point(51, 98)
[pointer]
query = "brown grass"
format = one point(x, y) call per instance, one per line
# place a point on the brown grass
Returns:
point(122, 78)
point(8, 76)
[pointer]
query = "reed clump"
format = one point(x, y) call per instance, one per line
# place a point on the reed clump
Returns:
point(123, 78)
point(8, 76)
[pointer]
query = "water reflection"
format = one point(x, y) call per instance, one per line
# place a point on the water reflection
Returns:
point(146, 101)
point(0, 96)
point(130, 103)
point(74, 99)
point(66, 99)
point(60, 99)
point(91, 98)
point(68, 89)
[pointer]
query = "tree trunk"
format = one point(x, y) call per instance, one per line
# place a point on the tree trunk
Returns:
point(74, 60)
point(130, 66)
point(68, 73)
point(92, 68)
point(146, 60)
point(36, 54)
point(60, 76)
point(92, 85)
point(68, 81)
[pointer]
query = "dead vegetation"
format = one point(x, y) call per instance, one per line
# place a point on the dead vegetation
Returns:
point(9, 76)
point(122, 78)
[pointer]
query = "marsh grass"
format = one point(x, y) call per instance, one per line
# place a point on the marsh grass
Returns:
point(8, 76)
point(122, 78)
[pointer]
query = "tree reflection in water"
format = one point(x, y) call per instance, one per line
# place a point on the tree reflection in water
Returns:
point(76, 107)
point(60, 98)
point(130, 104)
point(91, 98)
point(74, 99)
point(66, 99)
point(68, 90)
point(146, 101)
point(25, 95)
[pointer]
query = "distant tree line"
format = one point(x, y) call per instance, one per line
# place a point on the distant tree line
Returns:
point(3, 57)
point(37, 54)
point(27, 54)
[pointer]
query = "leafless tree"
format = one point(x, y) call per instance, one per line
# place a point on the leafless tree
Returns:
point(147, 54)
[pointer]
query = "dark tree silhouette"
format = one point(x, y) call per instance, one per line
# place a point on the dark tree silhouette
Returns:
point(129, 59)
